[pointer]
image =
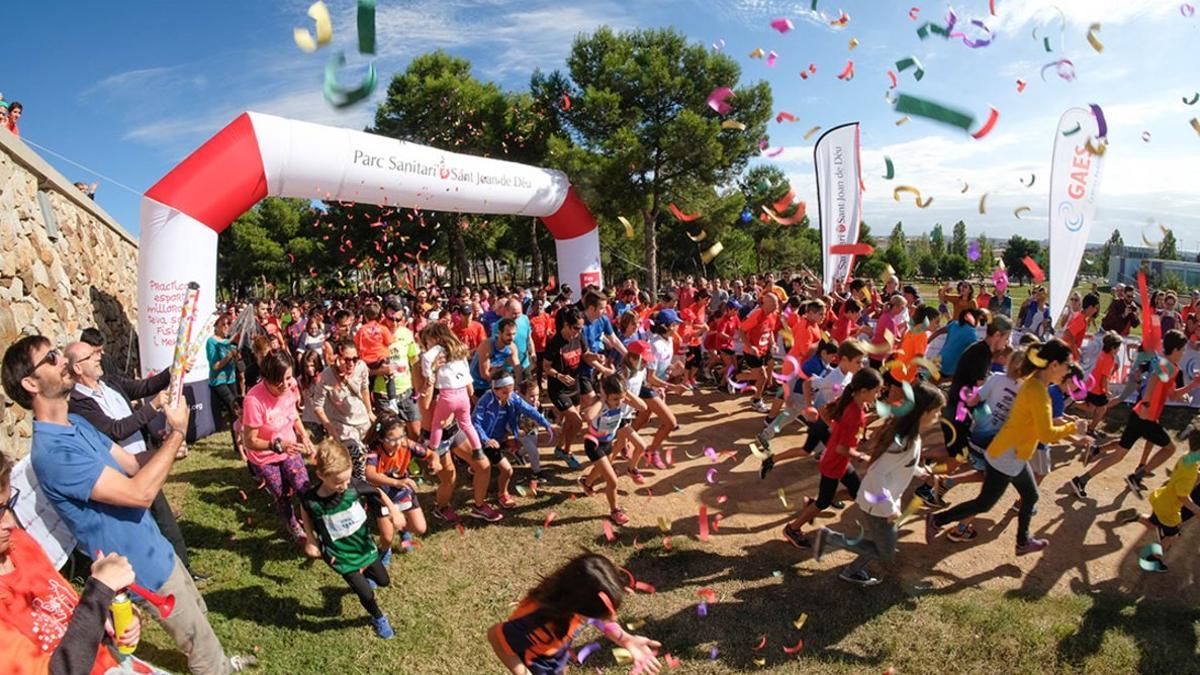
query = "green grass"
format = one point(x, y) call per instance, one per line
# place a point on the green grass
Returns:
point(300, 618)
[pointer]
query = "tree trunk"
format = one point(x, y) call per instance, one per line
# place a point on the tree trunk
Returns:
point(651, 258)
point(459, 246)
point(537, 251)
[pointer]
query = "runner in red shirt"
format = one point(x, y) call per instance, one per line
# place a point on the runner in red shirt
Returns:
point(758, 331)
point(1077, 327)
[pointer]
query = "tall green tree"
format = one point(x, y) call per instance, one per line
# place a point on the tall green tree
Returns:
point(641, 122)
point(774, 245)
point(1168, 248)
point(987, 258)
point(958, 240)
point(1114, 245)
point(896, 254)
point(937, 241)
point(272, 242)
point(1015, 251)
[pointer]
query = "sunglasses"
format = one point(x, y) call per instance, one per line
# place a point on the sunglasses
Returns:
point(52, 357)
point(11, 504)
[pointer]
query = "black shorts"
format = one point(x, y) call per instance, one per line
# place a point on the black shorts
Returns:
point(827, 490)
point(752, 362)
point(818, 433)
point(587, 383)
point(595, 449)
point(647, 393)
point(1165, 531)
point(1097, 400)
point(494, 455)
point(694, 357)
point(726, 352)
point(1137, 428)
point(961, 435)
point(564, 400)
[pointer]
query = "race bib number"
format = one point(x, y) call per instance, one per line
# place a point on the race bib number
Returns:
point(345, 523)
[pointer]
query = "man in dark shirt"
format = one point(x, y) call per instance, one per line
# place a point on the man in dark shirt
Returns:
point(1122, 314)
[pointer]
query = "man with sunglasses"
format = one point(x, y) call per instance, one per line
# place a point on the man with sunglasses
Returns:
point(103, 398)
point(342, 402)
point(103, 495)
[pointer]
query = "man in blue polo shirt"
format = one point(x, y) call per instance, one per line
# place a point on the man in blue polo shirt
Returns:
point(599, 336)
point(511, 309)
point(102, 494)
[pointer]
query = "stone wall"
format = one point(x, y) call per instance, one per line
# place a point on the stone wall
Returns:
point(84, 276)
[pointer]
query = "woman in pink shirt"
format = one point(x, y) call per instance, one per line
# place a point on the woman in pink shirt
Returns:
point(275, 439)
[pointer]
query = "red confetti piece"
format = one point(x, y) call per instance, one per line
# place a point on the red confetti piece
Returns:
point(687, 218)
point(987, 127)
point(796, 648)
point(242, 494)
point(847, 73)
point(1021, 86)
point(672, 662)
point(608, 531)
point(785, 116)
point(644, 587)
point(566, 102)
point(708, 594)
point(1034, 269)
point(716, 522)
point(892, 77)
point(703, 516)
point(608, 603)
point(667, 543)
point(632, 581)
point(249, 521)
point(461, 530)
point(852, 249)
point(762, 642)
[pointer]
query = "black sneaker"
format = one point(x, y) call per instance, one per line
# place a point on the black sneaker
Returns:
point(962, 533)
point(930, 497)
point(1135, 484)
point(767, 465)
point(1092, 453)
point(838, 504)
point(768, 420)
point(764, 440)
point(796, 538)
point(861, 577)
point(1078, 487)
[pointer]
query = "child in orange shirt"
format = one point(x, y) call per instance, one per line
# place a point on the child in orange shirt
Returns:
point(374, 342)
point(1097, 386)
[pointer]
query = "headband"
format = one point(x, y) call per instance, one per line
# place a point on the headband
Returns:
point(506, 381)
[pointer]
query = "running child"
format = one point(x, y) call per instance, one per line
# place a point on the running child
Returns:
point(389, 454)
point(1169, 502)
point(603, 418)
point(1097, 396)
point(848, 415)
point(536, 638)
point(497, 420)
point(334, 517)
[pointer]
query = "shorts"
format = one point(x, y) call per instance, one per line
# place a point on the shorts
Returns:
point(818, 434)
point(451, 440)
point(1137, 428)
point(1097, 400)
point(1165, 531)
point(726, 351)
point(827, 489)
point(564, 400)
point(406, 405)
point(647, 393)
point(753, 362)
point(1040, 462)
point(403, 499)
point(961, 435)
point(587, 383)
point(694, 357)
point(495, 455)
point(316, 432)
point(596, 449)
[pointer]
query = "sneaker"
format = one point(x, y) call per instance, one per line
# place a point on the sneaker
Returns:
point(768, 421)
point(506, 501)
point(760, 406)
point(818, 547)
point(1092, 453)
point(486, 512)
point(931, 529)
point(1078, 487)
point(386, 558)
point(795, 537)
point(1032, 546)
point(636, 476)
point(861, 577)
point(962, 533)
point(572, 463)
point(1135, 485)
point(618, 516)
point(406, 544)
point(930, 497)
point(767, 465)
point(447, 514)
point(731, 389)
point(583, 485)
point(764, 440)
point(383, 629)
point(657, 461)
point(540, 475)
point(242, 662)
point(838, 504)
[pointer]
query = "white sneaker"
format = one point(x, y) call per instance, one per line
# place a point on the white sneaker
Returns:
point(760, 406)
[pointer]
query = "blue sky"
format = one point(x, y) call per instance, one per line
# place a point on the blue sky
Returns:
point(129, 91)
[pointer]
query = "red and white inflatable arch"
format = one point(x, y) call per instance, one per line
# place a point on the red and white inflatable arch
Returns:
point(260, 155)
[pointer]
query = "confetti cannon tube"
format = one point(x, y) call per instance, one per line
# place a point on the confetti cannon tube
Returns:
point(183, 339)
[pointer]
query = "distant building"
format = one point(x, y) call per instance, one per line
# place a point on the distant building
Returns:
point(1124, 263)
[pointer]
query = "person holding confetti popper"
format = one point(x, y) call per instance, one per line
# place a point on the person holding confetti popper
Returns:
point(536, 638)
point(895, 461)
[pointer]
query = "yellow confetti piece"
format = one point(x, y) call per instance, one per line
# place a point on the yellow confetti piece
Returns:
point(1093, 40)
point(913, 505)
point(712, 252)
point(983, 203)
point(853, 43)
point(759, 662)
point(800, 621)
point(700, 237)
point(1097, 150)
point(758, 453)
point(622, 656)
point(733, 124)
point(783, 497)
point(629, 233)
point(320, 16)
point(1196, 124)
point(903, 120)
point(809, 134)
point(1021, 209)
point(902, 189)
point(664, 525)
point(758, 53)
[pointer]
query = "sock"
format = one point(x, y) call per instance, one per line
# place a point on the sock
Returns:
point(1139, 472)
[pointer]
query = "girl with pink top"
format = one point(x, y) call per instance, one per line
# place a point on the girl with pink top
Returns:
point(452, 379)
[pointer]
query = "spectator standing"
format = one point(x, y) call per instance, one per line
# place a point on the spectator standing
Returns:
point(14, 113)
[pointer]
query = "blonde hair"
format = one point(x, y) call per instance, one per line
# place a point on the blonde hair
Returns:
point(440, 334)
point(332, 458)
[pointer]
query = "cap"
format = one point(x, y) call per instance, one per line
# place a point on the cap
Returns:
point(666, 316)
point(911, 290)
point(639, 347)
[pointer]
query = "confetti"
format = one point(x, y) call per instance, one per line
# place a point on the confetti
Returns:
point(242, 494)
point(1093, 40)
point(853, 43)
point(712, 252)
point(771, 57)
point(912, 13)
point(1064, 68)
point(462, 530)
point(1021, 209)
point(989, 125)
point(703, 520)
point(702, 609)
point(794, 648)
point(1187, 9)
point(882, 497)
point(920, 107)
point(629, 233)
point(759, 662)
point(718, 47)
point(664, 525)
point(798, 624)
point(1021, 84)
point(811, 132)
point(758, 53)
point(1032, 180)
point(782, 24)
point(973, 251)
point(1034, 269)
point(785, 116)
point(901, 189)
point(622, 656)
point(340, 97)
point(672, 662)
point(911, 62)
point(366, 26)
point(685, 217)
point(783, 497)
point(852, 249)
point(1093, 149)
point(1195, 124)
point(1148, 558)
point(891, 170)
point(903, 120)
point(699, 237)
point(710, 477)
point(1101, 122)
point(608, 531)
point(733, 124)
point(320, 16)
point(762, 642)
point(586, 651)
point(566, 102)
point(1195, 97)
point(716, 100)
point(847, 73)
point(549, 519)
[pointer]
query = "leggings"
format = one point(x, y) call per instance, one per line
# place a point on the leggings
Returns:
point(995, 482)
point(827, 490)
point(877, 542)
point(456, 403)
point(292, 471)
point(362, 588)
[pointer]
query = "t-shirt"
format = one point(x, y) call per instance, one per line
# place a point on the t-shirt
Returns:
point(521, 339)
point(661, 355)
point(1157, 391)
point(342, 401)
point(843, 326)
point(400, 354)
point(593, 336)
point(759, 329)
point(913, 345)
point(372, 341)
point(633, 384)
point(501, 359)
point(1077, 329)
point(1058, 401)
point(959, 336)
point(998, 305)
point(883, 327)
point(216, 349)
point(843, 433)
point(829, 386)
point(340, 522)
point(68, 460)
point(472, 334)
point(604, 427)
point(566, 357)
point(973, 368)
point(452, 375)
point(726, 325)
point(1101, 372)
point(889, 475)
point(531, 636)
point(998, 393)
point(36, 604)
point(1166, 500)
point(541, 328)
point(805, 335)
point(689, 334)
point(273, 416)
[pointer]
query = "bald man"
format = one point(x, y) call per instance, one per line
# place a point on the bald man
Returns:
point(524, 338)
point(104, 399)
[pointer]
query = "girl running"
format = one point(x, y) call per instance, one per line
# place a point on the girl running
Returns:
point(452, 381)
point(604, 417)
point(660, 366)
point(389, 453)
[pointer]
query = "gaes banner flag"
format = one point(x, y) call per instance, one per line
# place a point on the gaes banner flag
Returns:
point(839, 198)
point(1074, 181)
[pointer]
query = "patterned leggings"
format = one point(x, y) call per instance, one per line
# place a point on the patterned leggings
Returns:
point(292, 471)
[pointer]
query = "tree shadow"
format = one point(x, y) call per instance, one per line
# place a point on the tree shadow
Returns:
point(257, 605)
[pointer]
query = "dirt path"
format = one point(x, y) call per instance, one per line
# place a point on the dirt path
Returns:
point(1092, 548)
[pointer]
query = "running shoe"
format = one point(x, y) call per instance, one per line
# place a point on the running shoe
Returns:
point(636, 476)
point(795, 537)
point(818, 547)
point(931, 529)
point(486, 512)
point(764, 439)
point(1032, 546)
point(242, 662)
point(572, 463)
point(657, 461)
point(583, 485)
point(618, 516)
point(386, 558)
point(962, 533)
point(1135, 484)
point(1091, 454)
point(383, 629)
point(758, 405)
point(861, 577)
point(767, 465)
point(506, 502)
point(447, 514)
point(1078, 487)
point(930, 497)
point(768, 420)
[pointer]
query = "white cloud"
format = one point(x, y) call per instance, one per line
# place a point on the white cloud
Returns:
point(1019, 16)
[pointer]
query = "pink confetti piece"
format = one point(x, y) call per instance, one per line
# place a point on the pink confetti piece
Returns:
point(771, 58)
point(847, 73)
point(608, 531)
point(722, 499)
point(549, 519)
point(883, 496)
point(703, 518)
point(782, 24)
point(710, 476)
point(716, 100)
point(702, 609)
point(707, 594)
point(711, 454)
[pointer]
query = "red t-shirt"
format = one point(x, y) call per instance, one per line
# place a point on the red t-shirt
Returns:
point(1154, 398)
point(843, 327)
point(541, 327)
point(1101, 372)
point(685, 295)
point(759, 329)
point(805, 335)
point(728, 325)
point(1077, 329)
point(472, 334)
point(689, 332)
point(373, 341)
point(843, 433)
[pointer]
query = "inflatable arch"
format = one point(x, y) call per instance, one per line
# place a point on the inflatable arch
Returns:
point(259, 155)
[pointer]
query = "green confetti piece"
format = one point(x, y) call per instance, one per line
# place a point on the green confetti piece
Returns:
point(520, 490)
point(911, 62)
point(924, 31)
point(776, 573)
point(366, 26)
point(537, 532)
point(1046, 44)
point(891, 170)
point(912, 105)
point(1072, 132)
point(340, 97)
